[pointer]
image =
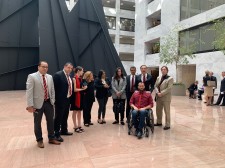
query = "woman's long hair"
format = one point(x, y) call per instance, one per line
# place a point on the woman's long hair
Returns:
point(116, 76)
point(100, 73)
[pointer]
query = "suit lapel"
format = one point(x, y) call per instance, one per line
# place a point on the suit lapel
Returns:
point(39, 79)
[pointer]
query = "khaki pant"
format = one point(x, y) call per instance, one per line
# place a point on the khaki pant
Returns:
point(160, 105)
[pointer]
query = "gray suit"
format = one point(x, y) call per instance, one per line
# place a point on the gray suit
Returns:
point(164, 101)
point(35, 90)
point(35, 98)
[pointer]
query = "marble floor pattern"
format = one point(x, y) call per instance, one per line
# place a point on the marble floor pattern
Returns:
point(196, 139)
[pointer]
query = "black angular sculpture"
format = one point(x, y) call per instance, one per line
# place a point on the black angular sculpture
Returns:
point(33, 30)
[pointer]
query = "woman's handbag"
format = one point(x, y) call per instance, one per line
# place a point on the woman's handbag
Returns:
point(109, 93)
point(211, 83)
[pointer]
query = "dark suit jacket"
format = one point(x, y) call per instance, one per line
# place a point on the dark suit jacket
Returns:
point(101, 92)
point(128, 85)
point(213, 78)
point(61, 87)
point(222, 86)
point(149, 83)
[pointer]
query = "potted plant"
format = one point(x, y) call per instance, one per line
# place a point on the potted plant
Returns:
point(172, 53)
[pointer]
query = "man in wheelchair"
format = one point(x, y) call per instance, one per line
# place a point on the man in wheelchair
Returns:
point(141, 101)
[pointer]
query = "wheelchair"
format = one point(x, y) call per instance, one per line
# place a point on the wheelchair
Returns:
point(149, 123)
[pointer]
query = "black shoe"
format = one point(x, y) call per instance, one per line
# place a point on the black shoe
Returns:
point(59, 138)
point(91, 123)
point(222, 105)
point(157, 124)
point(66, 133)
point(86, 125)
point(139, 135)
point(115, 122)
point(216, 104)
point(122, 123)
point(136, 132)
point(166, 128)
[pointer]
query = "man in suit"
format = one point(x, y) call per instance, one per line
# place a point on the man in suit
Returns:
point(213, 78)
point(63, 91)
point(130, 88)
point(146, 79)
point(222, 91)
point(163, 87)
point(40, 95)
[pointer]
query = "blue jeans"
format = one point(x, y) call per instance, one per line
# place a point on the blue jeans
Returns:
point(142, 115)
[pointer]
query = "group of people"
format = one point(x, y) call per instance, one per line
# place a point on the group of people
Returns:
point(208, 88)
point(56, 96)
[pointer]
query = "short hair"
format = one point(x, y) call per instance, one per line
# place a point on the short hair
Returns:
point(207, 72)
point(164, 66)
point(132, 67)
point(78, 68)
point(143, 65)
point(87, 75)
point(68, 63)
point(39, 64)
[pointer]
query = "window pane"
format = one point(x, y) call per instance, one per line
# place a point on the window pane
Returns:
point(194, 7)
point(207, 37)
point(111, 22)
point(193, 42)
point(184, 9)
point(127, 24)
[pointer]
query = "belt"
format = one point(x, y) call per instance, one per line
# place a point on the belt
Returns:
point(47, 100)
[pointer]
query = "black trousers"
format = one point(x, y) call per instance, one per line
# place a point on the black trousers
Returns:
point(200, 92)
point(221, 96)
point(102, 107)
point(87, 111)
point(128, 105)
point(48, 110)
point(121, 112)
point(61, 117)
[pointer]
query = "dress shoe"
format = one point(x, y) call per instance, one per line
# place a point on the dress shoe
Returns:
point(59, 138)
point(122, 123)
point(53, 141)
point(222, 105)
point(40, 144)
point(103, 121)
point(66, 133)
point(86, 125)
point(157, 124)
point(166, 128)
point(215, 104)
point(91, 123)
point(139, 135)
point(115, 122)
point(136, 132)
point(100, 121)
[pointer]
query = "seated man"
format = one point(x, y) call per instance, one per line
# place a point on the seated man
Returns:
point(193, 90)
point(141, 101)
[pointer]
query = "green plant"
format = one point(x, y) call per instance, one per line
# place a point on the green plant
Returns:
point(171, 52)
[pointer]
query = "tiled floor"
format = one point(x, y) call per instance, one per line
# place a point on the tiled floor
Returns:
point(196, 140)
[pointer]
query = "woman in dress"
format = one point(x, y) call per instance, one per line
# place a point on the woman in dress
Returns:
point(88, 97)
point(119, 95)
point(102, 85)
point(76, 99)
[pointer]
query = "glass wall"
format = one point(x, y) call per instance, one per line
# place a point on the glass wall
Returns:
point(189, 8)
point(201, 38)
point(127, 24)
point(111, 22)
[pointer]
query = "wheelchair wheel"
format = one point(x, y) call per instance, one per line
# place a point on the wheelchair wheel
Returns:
point(146, 132)
point(152, 122)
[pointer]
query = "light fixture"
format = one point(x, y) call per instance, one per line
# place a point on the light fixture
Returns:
point(108, 1)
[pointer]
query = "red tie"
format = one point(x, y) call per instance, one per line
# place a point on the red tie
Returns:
point(45, 87)
point(132, 84)
point(144, 78)
point(70, 89)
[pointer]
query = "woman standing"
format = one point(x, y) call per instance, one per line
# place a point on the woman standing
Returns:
point(208, 90)
point(88, 97)
point(118, 95)
point(76, 99)
point(102, 85)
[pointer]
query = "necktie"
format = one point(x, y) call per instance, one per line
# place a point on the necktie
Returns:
point(144, 78)
point(45, 87)
point(69, 83)
point(132, 84)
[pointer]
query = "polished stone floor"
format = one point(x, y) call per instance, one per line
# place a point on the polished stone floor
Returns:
point(196, 140)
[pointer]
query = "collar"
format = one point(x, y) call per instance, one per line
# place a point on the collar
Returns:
point(40, 74)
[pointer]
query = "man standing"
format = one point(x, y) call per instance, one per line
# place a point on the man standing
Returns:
point(222, 91)
point(40, 95)
point(213, 78)
point(130, 88)
point(141, 101)
point(163, 87)
point(63, 91)
point(146, 79)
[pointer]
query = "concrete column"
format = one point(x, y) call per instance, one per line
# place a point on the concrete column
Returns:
point(117, 37)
